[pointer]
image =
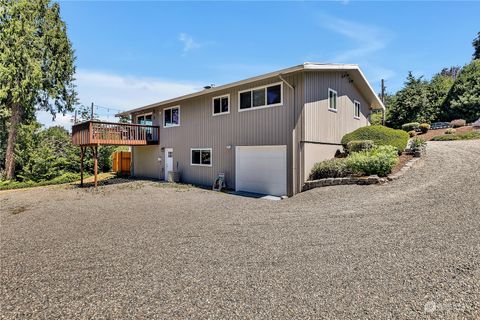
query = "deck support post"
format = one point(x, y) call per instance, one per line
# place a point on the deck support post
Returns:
point(82, 155)
point(95, 165)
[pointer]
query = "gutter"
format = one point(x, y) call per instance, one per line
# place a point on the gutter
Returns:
point(294, 137)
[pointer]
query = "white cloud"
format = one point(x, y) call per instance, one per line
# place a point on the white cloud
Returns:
point(188, 42)
point(368, 39)
point(120, 92)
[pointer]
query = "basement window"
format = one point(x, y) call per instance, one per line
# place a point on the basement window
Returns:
point(260, 97)
point(221, 105)
point(171, 117)
point(332, 100)
point(201, 157)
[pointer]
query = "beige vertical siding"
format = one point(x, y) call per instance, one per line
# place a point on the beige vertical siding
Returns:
point(315, 153)
point(322, 125)
point(145, 162)
point(198, 128)
point(323, 129)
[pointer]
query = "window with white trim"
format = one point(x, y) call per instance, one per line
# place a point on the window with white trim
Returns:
point(171, 117)
point(356, 108)
point(221, 105)
point(332, 100)
point(261, 97)
point(145, 119)
point(201, 157)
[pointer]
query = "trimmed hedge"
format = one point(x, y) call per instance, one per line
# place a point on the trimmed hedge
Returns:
point(334, 168)
point(379, 161)
point(360, 145)
point(410, 126)
point(424, 127)
point(380, 136)
point(457, 123)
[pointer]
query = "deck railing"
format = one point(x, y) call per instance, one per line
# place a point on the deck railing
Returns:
point(112, 133)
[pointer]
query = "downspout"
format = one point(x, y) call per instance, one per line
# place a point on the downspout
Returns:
point(294, 138)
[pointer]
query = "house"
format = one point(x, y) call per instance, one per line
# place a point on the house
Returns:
point(264, 133)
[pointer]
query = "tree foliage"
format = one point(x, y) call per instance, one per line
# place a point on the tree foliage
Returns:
point(411, 103)
point(46, 154)
point(36, 65)
point(463, 101)
point(476, 47)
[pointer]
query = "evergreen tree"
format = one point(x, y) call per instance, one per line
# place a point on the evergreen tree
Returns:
point(463, 100)
point(36, 66)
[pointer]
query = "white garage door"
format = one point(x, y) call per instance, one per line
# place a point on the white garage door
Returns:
point(261, 169)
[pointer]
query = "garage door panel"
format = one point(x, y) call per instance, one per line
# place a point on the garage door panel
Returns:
point(261, 169)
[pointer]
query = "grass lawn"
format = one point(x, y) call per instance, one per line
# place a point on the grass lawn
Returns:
point(64, 179)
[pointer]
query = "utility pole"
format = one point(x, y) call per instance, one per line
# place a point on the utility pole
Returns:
point(382, 96)
point(75, 118)
point(91, 111)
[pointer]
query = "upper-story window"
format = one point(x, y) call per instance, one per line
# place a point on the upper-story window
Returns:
point(221, 105)
point(171, 117)
point(261, 97)
point(145, 119)
point(356, 109)
point(332, 100)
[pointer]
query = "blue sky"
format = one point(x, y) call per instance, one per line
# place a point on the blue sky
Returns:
point(134, 53)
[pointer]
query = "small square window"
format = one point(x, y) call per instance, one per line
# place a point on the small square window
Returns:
point(201, 157)
point(221, 105)
point(171, 117)
point(274, 94)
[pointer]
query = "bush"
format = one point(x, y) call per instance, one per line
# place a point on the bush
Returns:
point(359, 145)
point(424, 127)
point(379, 161)
point(376, 119)
point(450, 131)
point(417, 143)
point(462, 136)
point(410, 126)
point(412, 133)
point(334, 168)
point(457, 123)
point(380, 136)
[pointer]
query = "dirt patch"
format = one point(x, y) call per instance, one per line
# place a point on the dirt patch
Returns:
point(18, 210)
point(402, 159)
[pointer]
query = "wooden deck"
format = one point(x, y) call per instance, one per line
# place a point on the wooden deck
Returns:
point(94, 133)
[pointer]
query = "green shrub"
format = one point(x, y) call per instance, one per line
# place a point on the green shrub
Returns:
point(461, 136)
point(424, 127)
point(64, 178)
point(380, 136)
point(380, 161)
point(410, 126)
point(412, 133)
point(417, 143)
point(334, 168)
point(359, 145)
point(450, 131)
point(376, 118)
point(457, 123)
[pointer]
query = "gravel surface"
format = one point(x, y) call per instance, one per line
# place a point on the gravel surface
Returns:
point(406, 249)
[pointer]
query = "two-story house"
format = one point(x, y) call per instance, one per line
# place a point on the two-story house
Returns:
point(264, 133)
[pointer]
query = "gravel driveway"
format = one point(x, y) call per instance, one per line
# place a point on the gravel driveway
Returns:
point(407, 249)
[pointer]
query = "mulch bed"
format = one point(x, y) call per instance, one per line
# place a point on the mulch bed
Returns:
point(402, 159)
point(440, 132)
